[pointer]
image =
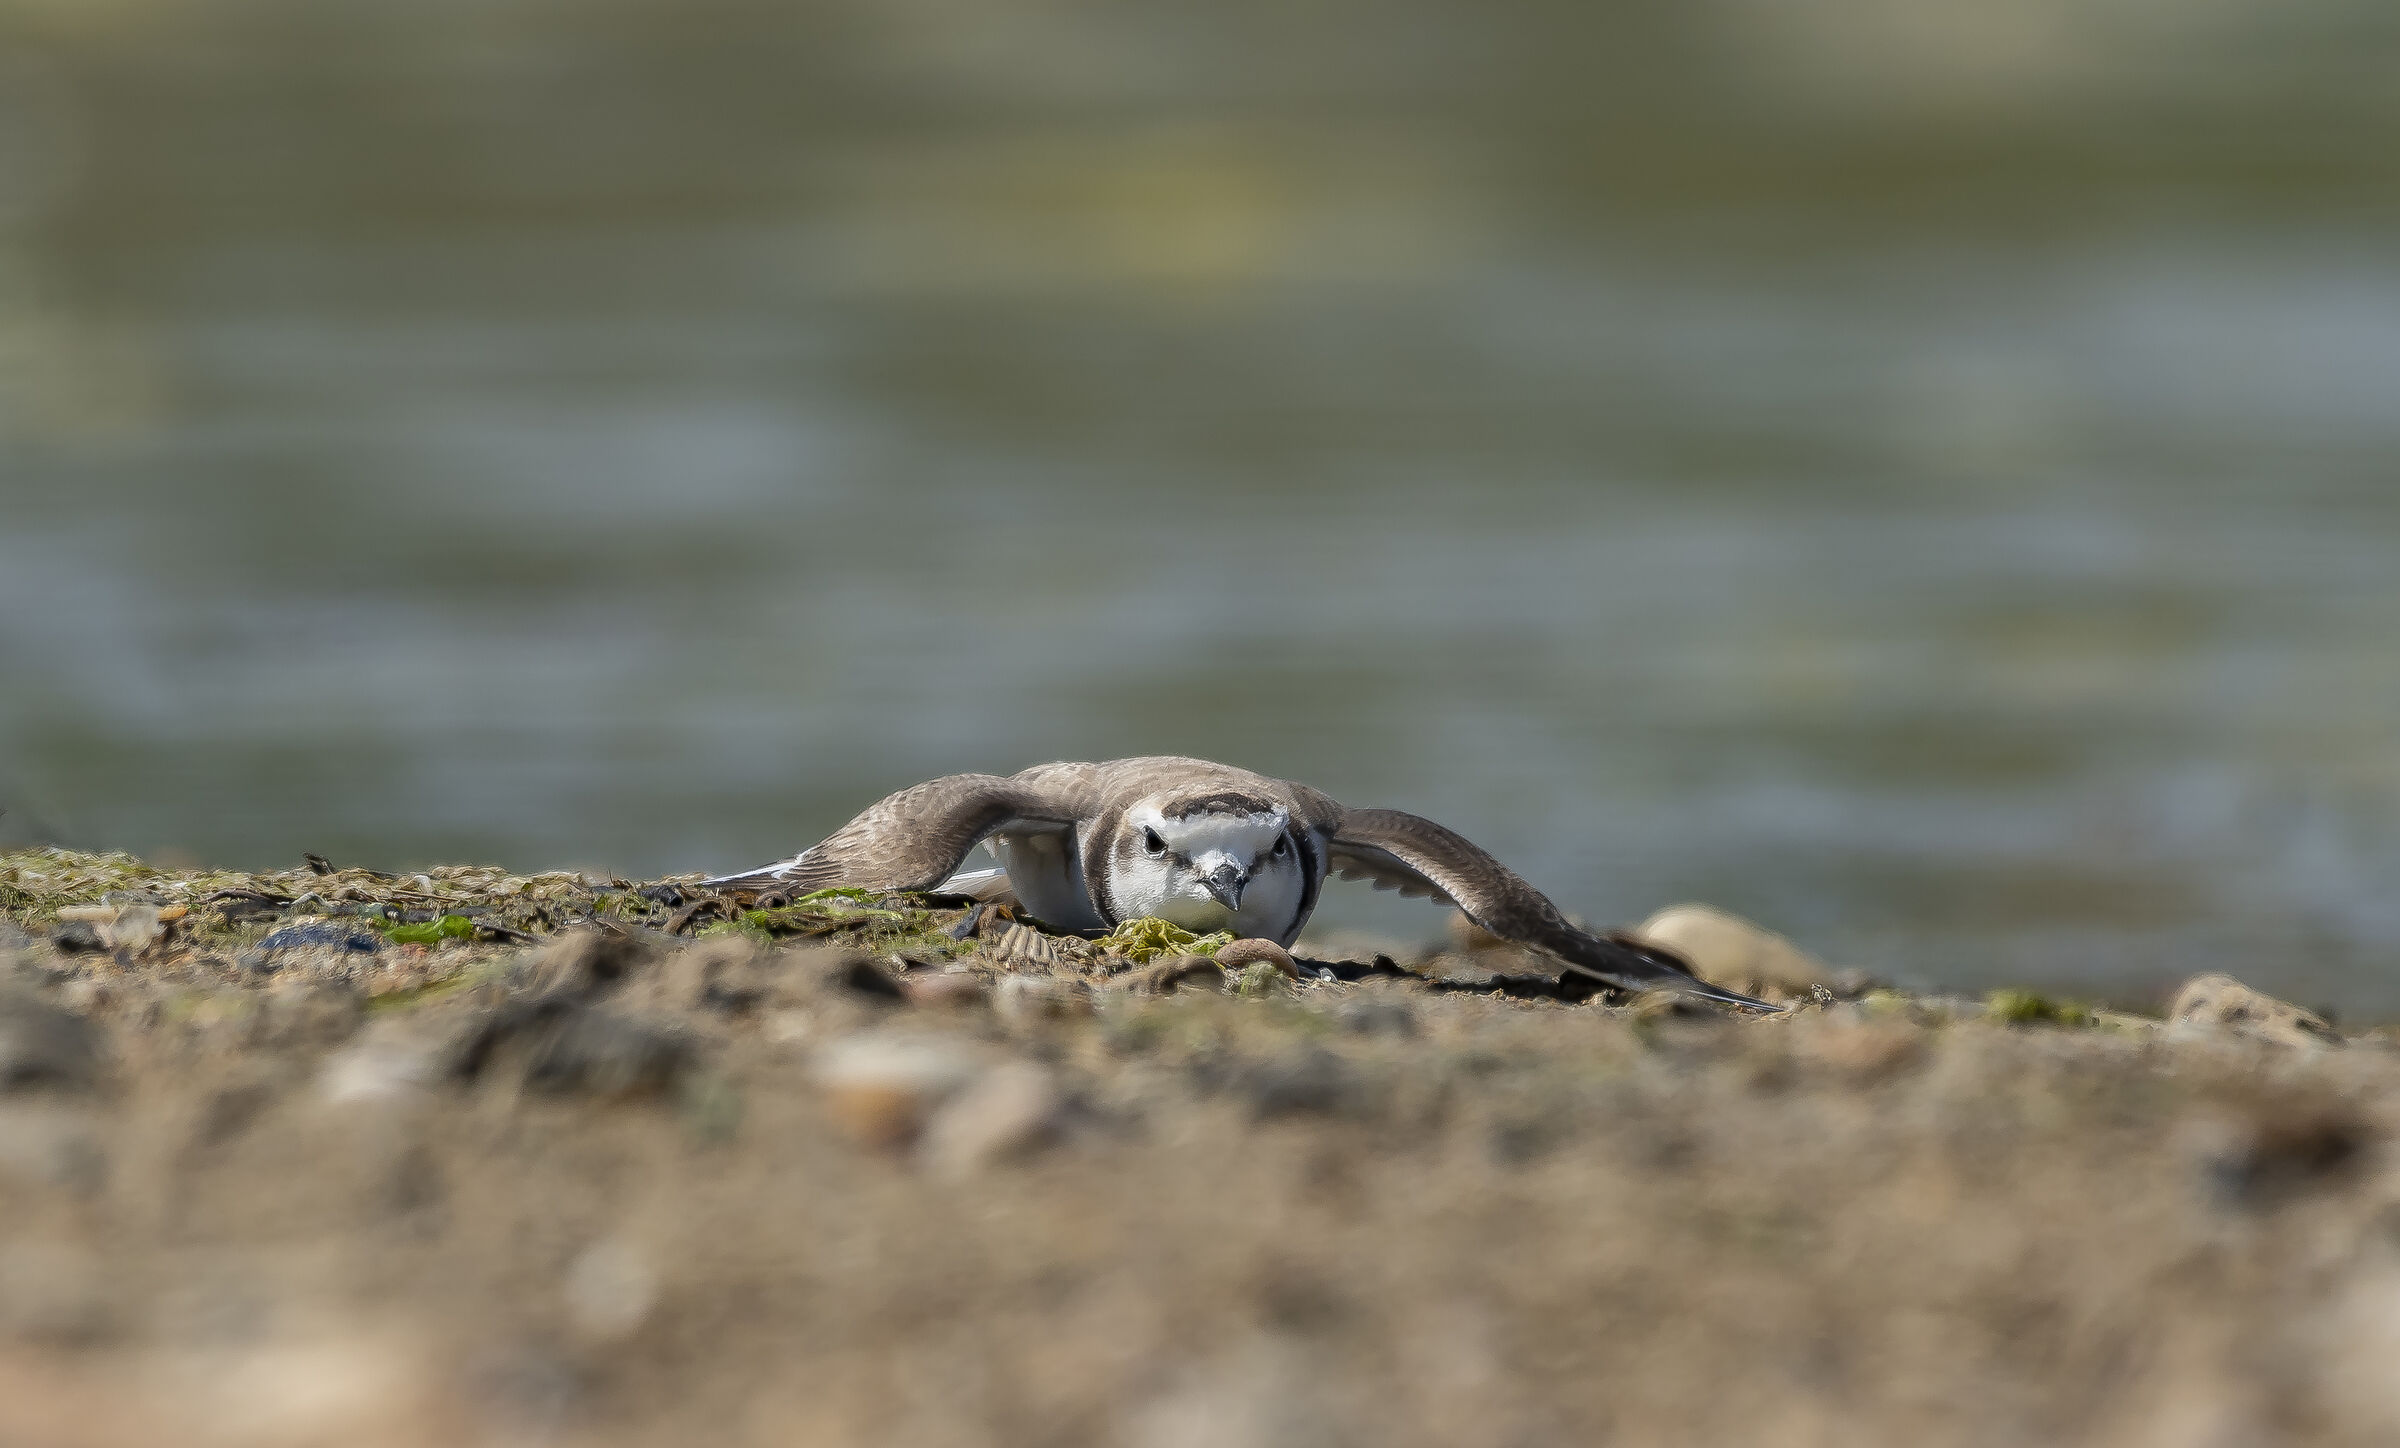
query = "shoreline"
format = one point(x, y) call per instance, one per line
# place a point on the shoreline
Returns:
point(469, 1156)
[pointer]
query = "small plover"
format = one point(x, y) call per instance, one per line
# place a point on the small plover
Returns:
point(1208, 847)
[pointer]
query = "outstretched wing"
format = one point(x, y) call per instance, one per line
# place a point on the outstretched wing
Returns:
point(913, 840)
point(1415, 856)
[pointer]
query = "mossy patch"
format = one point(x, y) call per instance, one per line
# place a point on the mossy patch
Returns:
point(1260, 980)
point(35, 884)
point(2027, 1008)
point(425, 932)
point(892, 923)
point(1149, 938)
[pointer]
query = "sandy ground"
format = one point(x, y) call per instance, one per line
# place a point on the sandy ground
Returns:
point(597, 1166)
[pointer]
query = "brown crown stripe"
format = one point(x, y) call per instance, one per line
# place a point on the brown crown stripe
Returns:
point(1222, 802)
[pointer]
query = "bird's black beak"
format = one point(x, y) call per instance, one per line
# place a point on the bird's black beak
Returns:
point(1225, 883)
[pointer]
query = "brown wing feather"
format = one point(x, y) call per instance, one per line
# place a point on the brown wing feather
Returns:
point(915, 839)
point(1416, 856)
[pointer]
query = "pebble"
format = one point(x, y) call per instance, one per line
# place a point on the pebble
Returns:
point(1240, 954)
point(2218, 1004)
point(881, 1089)
point(328, 934)
point(609, 1289)
point(394, 1058)
point(1005, 1113)
point(1735, 953)
point(77, 937)
point(86, 994)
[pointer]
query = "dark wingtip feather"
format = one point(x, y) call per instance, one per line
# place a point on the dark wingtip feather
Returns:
point(1635, 964)
point(1723, 996)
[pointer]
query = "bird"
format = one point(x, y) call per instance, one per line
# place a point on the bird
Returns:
point(1084, 847)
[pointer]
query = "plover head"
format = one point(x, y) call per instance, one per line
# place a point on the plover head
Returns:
point(1209, 862)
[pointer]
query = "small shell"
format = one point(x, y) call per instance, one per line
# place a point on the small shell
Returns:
point(1018, 947)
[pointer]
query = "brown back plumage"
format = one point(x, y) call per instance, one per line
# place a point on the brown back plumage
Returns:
point(915, 839)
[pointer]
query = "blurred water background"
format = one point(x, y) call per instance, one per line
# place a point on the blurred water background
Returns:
point(1918, 472)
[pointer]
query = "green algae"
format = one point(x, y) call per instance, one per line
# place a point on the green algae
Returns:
point(428, 932)
point(1260, 980)
point(2027, 1008)
point(1150, 938)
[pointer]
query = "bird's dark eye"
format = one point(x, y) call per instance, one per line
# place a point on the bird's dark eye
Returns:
point(1281, 845)
point(1152, 843)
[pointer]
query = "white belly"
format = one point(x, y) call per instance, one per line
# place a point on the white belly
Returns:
point(1047, 873)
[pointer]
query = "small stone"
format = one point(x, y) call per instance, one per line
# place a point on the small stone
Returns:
point(77, 937)
point(340, 1384)
point(85, 995)
point(609, 1289)
point(1739, 955)
point(788, 1026)
point(41, 1045)
point(394, 1058)
point(326, 934)
point(2219, 1004)
point(881, 1089)
point(1004, 1113)
point(1241, 954)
